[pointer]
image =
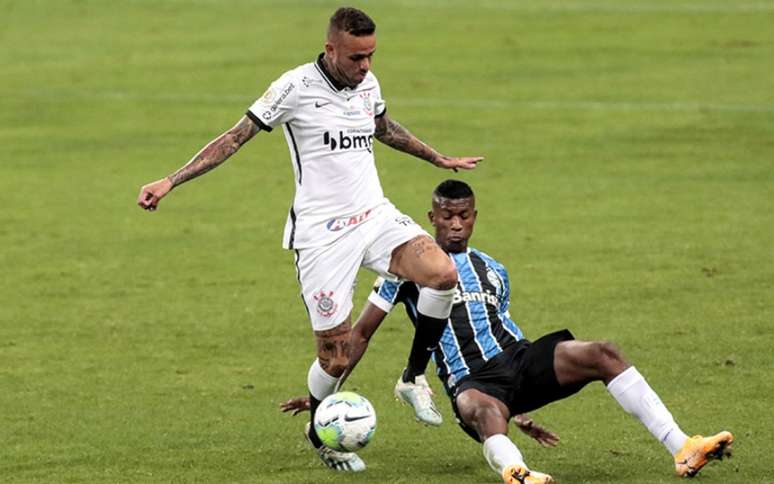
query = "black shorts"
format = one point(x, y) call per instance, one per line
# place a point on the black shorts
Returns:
point(522, 377)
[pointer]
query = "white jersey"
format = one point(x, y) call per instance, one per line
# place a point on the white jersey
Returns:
point(330, 134)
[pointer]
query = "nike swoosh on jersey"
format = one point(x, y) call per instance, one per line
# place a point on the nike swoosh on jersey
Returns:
point(319, 104)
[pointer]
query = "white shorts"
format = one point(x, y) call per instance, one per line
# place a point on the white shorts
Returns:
point(327, 274)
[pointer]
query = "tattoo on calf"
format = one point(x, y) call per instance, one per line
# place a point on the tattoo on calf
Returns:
point(342, 329)
point(333, 347)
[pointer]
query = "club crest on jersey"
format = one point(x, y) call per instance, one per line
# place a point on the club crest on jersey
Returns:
point(493, 279)
point(326, 306)
point(336, 224)
point(268, 96)
point(349, 142)
point(368, 106)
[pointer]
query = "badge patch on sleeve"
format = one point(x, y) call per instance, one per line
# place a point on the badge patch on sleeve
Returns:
point(268, 96)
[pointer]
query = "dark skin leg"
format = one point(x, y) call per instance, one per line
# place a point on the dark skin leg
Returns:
point(483, 413)
point(586, 361)
point(574, 362)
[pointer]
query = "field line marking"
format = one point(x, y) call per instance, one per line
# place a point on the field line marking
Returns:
point(543, 5)
point(584, 105)
point(603, 7)
point(477, 104)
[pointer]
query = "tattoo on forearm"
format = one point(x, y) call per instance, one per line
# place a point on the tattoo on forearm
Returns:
point(396, 136)
point(216, 152)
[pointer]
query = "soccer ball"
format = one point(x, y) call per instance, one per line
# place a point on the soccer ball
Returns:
point(345, 421)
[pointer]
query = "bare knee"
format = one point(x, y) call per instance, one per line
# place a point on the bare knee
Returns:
point(608, 359)
point(444, 278)
point(609, 351)
point(483, 415)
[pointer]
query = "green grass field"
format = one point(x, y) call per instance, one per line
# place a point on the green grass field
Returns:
point(628, 186)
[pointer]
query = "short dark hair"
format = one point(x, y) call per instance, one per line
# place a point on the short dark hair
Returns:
point(352, 21)
point(453, 190)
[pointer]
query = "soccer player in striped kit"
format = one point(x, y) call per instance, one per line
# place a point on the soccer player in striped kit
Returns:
point(492, 373)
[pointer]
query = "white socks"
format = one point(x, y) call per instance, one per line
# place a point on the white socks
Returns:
point(436, 303)
point(320, 383)
point(500, 452)
point(634, 394)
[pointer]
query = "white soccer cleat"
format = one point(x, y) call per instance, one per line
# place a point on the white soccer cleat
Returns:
point(420, 397)
point(339, 461)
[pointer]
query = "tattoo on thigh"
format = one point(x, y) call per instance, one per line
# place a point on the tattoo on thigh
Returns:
point(421, 245)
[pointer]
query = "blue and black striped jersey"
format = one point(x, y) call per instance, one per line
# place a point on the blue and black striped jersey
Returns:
point(480, 325)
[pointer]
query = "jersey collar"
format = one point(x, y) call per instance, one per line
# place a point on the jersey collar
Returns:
point(333, 83)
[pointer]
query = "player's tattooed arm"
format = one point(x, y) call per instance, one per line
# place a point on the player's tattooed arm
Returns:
point(365, 326)
point(392, 134)
point(216, 152)
point(212, 155)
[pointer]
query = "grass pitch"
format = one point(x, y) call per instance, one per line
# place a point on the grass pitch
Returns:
point(628, 187)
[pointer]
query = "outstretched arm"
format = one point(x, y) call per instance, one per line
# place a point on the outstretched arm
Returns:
point(396, 136)
point(216, 152)
point(365, 327)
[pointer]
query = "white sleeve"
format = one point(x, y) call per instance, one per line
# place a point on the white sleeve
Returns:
point(277, 105)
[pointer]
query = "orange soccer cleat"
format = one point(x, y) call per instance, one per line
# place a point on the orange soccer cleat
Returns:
point(519, 474)
point(699, 450)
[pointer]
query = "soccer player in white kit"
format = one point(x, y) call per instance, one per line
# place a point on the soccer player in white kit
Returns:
point(330, 111)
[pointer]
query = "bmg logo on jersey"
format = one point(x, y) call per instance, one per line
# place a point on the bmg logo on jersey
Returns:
point(349, 142)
